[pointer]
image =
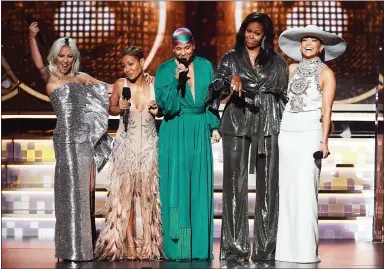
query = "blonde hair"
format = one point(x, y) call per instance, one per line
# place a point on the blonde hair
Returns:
point(54, 53)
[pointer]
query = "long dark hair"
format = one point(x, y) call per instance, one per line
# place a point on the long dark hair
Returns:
point(269, 33)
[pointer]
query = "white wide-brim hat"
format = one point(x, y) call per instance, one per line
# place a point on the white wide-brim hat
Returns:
point(290, 40)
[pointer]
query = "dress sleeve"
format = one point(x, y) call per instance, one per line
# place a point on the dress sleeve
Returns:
point(212, 115)
point(277, 82)
point(166, 92)
point(98, 119)
point(220, 85)
point(283, 86)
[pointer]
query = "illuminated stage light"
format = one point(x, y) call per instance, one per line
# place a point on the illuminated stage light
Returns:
point(94, 9)
point(315, 13)
point(6, 84)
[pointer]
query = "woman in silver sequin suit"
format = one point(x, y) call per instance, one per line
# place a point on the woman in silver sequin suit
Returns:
point(132, 228)
point(304, 130)
point(256, 78)
point(80, 141)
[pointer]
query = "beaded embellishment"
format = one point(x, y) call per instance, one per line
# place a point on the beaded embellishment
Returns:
point(306, 70)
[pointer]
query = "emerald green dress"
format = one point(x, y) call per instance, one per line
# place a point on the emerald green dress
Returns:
point(186, 163)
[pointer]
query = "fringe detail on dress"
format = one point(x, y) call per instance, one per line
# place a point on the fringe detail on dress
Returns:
point(132, 174)
point(184, 244)
point(174, 231)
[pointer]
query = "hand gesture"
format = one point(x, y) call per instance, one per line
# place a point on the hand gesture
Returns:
point(124, 104)
point(180, 68)
point(148, 78)
point(236, 85)
point(33, 30)
point(324, 149)
point(152, 105)
point(215, 137)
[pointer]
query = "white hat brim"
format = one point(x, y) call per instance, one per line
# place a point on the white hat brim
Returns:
point(290, 40)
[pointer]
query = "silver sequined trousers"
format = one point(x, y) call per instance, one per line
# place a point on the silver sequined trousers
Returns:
point(80, 140)
point(235, 241)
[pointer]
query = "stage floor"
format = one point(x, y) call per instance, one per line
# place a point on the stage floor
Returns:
point(333, 253)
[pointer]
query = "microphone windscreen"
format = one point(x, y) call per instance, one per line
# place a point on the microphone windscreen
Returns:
point(183, 61)
point(319, 154)
point(126, 93)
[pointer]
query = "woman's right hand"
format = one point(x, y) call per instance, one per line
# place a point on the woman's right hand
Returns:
point(236, 85)
point(180, 68)
point(33, 30)
point(124, 104)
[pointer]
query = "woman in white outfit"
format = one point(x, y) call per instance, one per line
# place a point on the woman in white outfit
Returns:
point(304, 130)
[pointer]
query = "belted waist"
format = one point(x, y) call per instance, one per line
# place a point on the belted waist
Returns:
point(192, 110)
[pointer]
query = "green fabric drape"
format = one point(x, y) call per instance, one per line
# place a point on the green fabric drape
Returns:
point(186, 163)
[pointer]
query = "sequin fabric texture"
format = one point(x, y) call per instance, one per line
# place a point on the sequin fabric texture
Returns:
point(245, 129)
point(80, 140)
point(268, 84)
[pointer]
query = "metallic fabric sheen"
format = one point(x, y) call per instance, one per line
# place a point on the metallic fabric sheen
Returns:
point(235, 242)
point(79, 142)
point(268, 83)
point(243, 127)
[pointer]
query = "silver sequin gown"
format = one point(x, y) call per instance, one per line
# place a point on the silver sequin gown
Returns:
point(246, 129)
point(80, 140)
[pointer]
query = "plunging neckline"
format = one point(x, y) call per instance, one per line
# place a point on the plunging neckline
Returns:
point(194, 81)
point(134, 105)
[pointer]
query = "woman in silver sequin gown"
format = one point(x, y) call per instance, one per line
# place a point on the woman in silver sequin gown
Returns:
point(304, 130)
point(251, 117)
point(80, 141)
point(132, 227)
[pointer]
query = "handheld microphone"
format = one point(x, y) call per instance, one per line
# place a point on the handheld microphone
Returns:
point(183, 61)
point(126, 96)
point(319, 154)
point(126, 93)
point(29, 18)
point(183, 76)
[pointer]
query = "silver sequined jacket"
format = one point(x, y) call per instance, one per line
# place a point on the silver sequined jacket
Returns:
point(267, 83)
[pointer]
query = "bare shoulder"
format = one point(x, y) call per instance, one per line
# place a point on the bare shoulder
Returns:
point(326, 72)
point(118, 85)
point(120, 81)
point(292, 67)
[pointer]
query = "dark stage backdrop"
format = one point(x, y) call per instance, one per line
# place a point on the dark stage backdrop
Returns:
point(103, 29)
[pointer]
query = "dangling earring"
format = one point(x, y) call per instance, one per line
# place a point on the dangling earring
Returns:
point(263, 43)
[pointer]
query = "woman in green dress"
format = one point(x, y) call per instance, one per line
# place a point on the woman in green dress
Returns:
point(185, 151)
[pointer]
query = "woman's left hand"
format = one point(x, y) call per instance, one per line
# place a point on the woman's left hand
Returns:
point(152, 105)
point(324, 149)
point(153, 108)
point(148, 78)
point(215, 137)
